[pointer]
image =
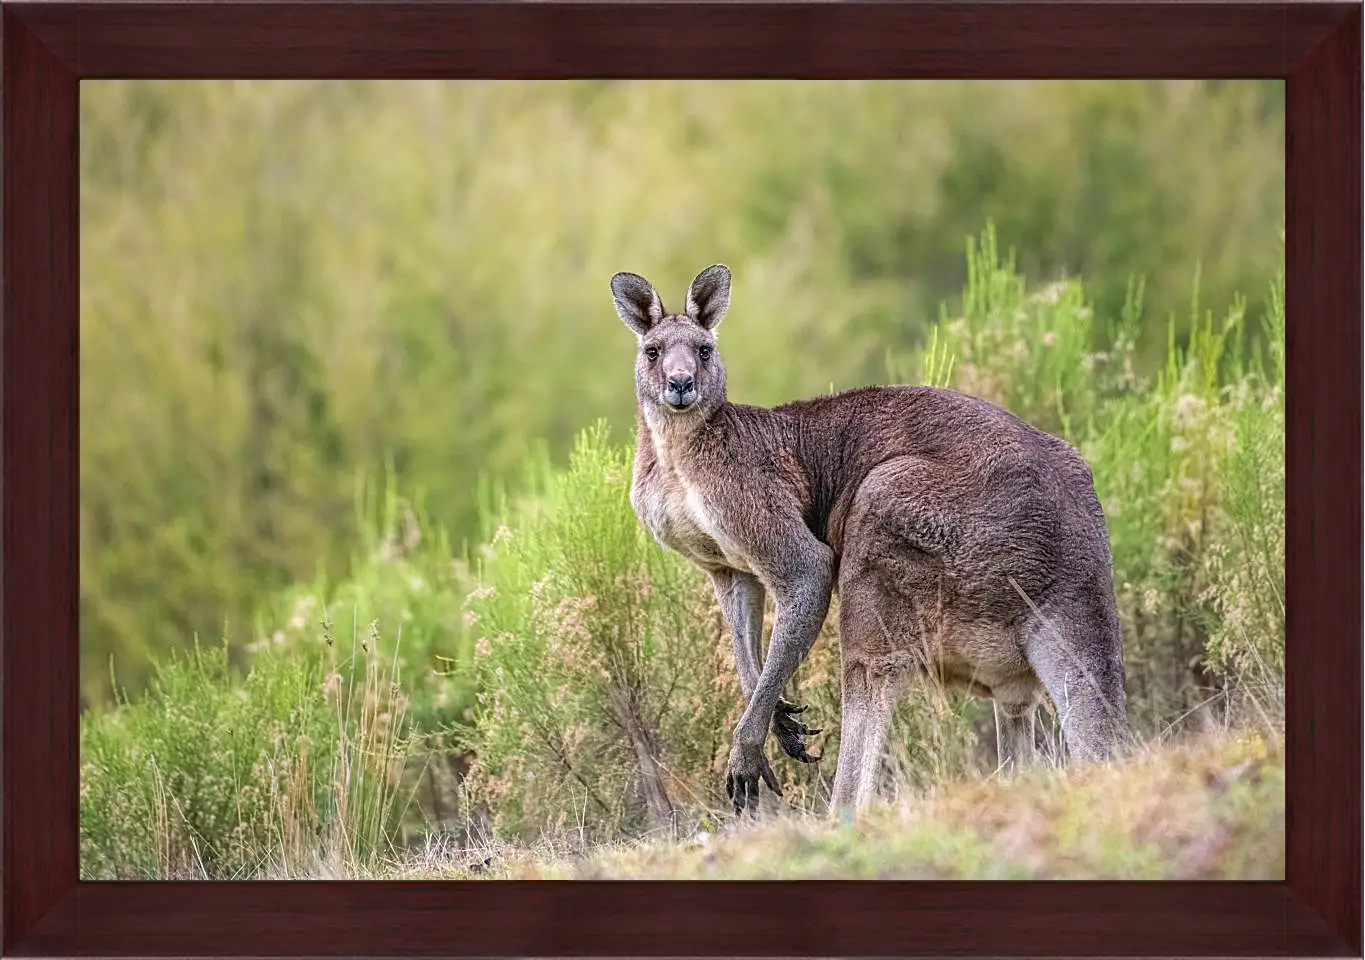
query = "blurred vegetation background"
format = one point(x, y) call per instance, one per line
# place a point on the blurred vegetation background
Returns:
point(291, 289)
point(362, 592)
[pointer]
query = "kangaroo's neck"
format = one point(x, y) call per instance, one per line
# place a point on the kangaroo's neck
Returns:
point(669, 439)
point(729, 435)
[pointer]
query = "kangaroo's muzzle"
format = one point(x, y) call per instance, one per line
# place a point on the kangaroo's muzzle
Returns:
point(681, 391)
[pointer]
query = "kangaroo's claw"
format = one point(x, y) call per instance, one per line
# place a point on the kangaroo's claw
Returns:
point(747, 767)
point(790, 731)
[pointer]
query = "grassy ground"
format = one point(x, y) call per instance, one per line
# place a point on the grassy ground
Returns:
point(1211, 810)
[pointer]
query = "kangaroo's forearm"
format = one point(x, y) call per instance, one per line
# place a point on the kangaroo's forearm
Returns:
point(741, 601)
point(801, 612)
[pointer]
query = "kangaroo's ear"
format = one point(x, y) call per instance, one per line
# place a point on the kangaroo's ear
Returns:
point(709, 296)
point(636, 301)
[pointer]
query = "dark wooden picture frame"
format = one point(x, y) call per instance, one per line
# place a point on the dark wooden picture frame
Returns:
point(48, 47)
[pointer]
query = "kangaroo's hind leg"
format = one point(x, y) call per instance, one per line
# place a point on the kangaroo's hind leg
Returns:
point(875, 669)
point(870, 697)
point(1014, 731)
point(1075, 647)
point(855, 715)
point(890, 596)
point(1015, 697)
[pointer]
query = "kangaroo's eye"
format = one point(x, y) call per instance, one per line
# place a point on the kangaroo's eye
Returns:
point(652, 353)
point(704, 353)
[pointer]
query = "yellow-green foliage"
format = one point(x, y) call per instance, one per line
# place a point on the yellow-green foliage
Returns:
point(212, 776)
point(595, 647)
point(402, 577)
point(283, 281)
point(290, 286)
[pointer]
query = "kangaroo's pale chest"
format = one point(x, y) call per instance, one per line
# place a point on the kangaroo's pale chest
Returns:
point(681, 518)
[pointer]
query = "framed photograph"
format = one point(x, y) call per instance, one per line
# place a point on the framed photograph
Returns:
point(681, 479)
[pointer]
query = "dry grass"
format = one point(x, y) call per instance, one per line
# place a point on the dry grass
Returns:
point(1203, 810)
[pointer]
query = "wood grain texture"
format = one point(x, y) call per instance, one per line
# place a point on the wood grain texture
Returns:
point(701, 919)
point(694, 39)
point(1323, 479)
point(38, 679)
point(47, 46)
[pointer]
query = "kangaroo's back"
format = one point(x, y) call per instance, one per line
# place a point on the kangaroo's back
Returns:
point(1010, 483)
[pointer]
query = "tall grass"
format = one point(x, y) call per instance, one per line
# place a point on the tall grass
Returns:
point(295, 768)
point(1244, 565)
point(604, 687)
point(406, 577)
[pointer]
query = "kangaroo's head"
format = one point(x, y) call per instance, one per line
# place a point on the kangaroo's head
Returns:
point(678, 372)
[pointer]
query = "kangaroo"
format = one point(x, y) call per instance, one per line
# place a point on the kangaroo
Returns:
point(964, 544)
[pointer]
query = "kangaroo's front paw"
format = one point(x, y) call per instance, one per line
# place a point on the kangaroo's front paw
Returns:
point(789, 732)
point(747, 766)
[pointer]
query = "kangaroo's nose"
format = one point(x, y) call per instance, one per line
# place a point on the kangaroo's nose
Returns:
point(681, 382)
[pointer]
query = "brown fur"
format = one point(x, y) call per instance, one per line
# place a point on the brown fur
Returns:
point(964, 543)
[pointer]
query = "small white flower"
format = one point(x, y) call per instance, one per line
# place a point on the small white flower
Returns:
point(1188, 407)
point(1049, 294)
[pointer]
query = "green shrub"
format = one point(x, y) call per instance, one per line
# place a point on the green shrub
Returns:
point(292, 767)
point(603, 691)
point(404, 578)
point(608, 688)
point(1245, 562)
